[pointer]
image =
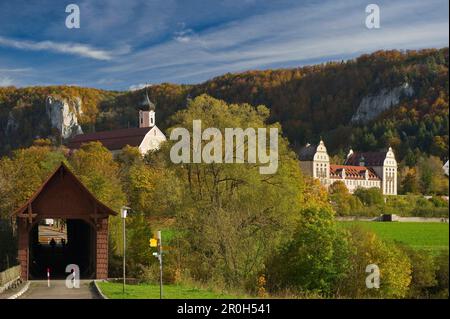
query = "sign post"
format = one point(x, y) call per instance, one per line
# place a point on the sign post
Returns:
point(160, 266)
point(158, 243)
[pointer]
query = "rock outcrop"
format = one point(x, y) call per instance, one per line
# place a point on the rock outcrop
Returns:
point(12, 125)
point(63, 115)
point(371, 106)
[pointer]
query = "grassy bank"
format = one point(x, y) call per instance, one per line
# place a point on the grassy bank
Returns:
point(430, 236)
point(150, 291)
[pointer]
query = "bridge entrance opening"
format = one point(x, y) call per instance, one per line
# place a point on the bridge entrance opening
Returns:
point(57, 243)
point(64, 210)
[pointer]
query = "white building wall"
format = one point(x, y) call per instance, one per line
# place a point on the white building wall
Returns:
point(353, 184)
point(321, 165)
point(390, 174)
point(152, 140)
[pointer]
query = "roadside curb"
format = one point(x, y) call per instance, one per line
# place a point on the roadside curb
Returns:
point(98, 290)
point(21, 292)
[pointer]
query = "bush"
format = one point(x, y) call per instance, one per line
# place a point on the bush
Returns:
point(369, 196)
point(314, 260)
point(430, 212)
point(438, 201)
point(423, 272)
point(441, 290)
point(394, 265)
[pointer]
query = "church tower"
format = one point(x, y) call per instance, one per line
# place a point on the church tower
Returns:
point(147, 117)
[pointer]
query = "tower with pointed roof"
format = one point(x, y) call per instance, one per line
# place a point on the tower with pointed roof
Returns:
point(147, 137)
point(147, 117)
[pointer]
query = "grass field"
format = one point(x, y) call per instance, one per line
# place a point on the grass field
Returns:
point(147, 291)
point(430, 236)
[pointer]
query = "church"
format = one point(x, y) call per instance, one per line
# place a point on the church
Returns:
point(146, 137)
point(360, 169)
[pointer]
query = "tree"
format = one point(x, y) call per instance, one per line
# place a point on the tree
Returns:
point(344, 203)
point(24, 172)
point(232, 216)
point(409, 181)
point(432, 180)
point(95, 167)
point(393, 263)
point(369, 196)
point(338, 187)
point(316, 257)
point(139, 254)
point(424, 271)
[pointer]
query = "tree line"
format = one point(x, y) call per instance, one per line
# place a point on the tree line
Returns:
point(232, 228)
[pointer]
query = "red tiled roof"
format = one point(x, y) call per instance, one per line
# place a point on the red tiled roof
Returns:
point(112, 140)
point(352, 172)
point(370, 158)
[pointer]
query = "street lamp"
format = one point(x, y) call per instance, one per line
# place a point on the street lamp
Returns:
point(123, 214)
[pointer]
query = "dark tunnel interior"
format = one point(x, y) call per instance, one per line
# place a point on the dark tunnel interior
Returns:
point(55, 246)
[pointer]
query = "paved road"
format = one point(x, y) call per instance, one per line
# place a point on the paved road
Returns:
point(58, 290)
point(46, 233)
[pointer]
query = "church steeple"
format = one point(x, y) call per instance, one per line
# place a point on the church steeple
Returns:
point(149, 105)
point(147, 117)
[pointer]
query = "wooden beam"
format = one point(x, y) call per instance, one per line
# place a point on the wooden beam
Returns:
point(26, 215)
point(30, 214)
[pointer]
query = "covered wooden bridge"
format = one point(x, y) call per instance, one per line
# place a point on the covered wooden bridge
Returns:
point(63, 196)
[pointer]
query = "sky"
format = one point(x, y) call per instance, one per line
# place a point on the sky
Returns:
point(123, 45)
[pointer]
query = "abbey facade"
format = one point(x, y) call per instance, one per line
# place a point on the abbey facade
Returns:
point(361, 169)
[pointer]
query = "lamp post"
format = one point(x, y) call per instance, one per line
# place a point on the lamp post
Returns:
point(123, 214)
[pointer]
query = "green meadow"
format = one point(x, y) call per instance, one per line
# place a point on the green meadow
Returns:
point(151, 291)
point(429, 236)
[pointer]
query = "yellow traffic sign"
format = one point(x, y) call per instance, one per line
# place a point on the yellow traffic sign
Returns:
point(153, 242)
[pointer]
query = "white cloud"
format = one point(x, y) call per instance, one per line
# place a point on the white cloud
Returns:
point(184, 35)
point(19, 70)
point(6, 81)
point(69, 48)
point(286, 37)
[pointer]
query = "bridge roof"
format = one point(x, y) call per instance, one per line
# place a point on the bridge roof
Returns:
point(62, 190)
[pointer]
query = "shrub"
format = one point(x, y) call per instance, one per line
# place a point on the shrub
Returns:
point(369, 196)
point(314, 260)
point(393, 263)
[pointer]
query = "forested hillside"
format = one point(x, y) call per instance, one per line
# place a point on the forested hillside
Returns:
point(309, 102)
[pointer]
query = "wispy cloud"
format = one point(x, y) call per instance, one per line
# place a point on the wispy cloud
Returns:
point(129, 43)
point(6, 81)
point(18, 70)
point(68, 48)
point(294, 36)
point(184, 35)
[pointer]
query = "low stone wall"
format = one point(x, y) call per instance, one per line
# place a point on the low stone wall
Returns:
point(423, 219)
point(396, 219)
point(9, 277)
point(356, 218)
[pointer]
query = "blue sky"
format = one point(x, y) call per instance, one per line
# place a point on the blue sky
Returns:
point(125, 44)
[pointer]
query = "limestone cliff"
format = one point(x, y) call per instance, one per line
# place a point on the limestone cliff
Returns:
point(371, 106)
point(63, 115)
